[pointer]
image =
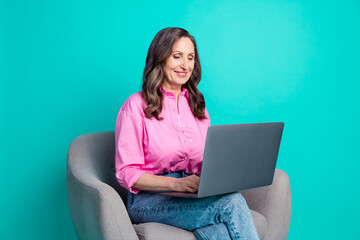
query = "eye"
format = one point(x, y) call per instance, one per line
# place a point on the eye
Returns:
point(190, 59)
point(176, 56)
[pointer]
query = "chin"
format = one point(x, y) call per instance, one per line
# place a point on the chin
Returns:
point(182, 81)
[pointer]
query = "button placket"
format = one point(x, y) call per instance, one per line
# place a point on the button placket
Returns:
point(175, 121)
point(182, 132)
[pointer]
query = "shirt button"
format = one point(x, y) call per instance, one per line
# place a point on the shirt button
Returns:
point(186, 158)
point(190, 140)
point(183, 126)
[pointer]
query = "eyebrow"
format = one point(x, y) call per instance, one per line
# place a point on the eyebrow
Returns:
point(182, 52)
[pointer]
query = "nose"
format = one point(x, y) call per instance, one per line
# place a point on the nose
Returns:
point(185, 64)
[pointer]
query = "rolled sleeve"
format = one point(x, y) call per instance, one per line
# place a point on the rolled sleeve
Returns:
point(129, 177)
point(129, 155)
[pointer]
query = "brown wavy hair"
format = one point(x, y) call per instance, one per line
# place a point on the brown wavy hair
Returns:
point(153, 77)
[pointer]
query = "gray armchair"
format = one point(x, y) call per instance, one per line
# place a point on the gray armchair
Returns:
point(98, 203)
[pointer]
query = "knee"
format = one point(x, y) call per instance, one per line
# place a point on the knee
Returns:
point(237, 200)
point(233, 204)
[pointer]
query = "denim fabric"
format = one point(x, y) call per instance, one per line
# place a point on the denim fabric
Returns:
point(219, 217)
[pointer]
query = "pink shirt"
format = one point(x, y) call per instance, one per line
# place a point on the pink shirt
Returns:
point(143, 145)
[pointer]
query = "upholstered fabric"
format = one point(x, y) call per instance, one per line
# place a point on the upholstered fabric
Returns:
point(274, 203)
point(158, 231)
point(97, 201)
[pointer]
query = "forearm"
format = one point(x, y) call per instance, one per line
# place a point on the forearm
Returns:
point(150, 182)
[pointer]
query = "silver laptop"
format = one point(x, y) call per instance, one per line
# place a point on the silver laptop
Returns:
point(237, 157)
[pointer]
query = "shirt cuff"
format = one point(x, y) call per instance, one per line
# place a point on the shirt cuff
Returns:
point(132, 178)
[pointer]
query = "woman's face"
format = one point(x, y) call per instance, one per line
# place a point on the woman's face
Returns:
point(180, 64)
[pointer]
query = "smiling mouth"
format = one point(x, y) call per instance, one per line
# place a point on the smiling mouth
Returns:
point(181, 74)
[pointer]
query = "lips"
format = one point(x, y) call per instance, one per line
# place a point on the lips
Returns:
point(181, 74)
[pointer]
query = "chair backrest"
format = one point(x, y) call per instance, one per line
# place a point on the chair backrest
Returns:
point(94, 154)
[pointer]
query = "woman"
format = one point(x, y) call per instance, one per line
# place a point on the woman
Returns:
point(160, 136)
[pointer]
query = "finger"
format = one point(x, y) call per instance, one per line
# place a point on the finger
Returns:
point(194, 185)
point(195, 179)
point(189, 189)
point(190, 182)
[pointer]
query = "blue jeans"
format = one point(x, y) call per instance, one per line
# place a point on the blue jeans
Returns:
point(219, 217)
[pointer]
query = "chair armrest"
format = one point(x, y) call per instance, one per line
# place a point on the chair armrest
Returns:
point(96, 209)
point(273, 202)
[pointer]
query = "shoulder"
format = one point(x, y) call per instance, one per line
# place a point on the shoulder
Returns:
point(207, 113)
point(134, 104)
point(207, 120)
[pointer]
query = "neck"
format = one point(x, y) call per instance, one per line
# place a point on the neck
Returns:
point(176, 90)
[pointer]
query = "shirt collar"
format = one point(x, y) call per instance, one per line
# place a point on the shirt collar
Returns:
point(166, 93)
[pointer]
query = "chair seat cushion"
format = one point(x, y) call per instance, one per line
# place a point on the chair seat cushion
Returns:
point(158, 231)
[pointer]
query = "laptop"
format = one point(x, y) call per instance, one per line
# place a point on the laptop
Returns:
point(237, 157)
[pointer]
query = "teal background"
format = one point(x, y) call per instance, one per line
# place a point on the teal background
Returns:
point(67, 66)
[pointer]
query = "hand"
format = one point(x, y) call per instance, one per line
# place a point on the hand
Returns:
point(186, 184)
